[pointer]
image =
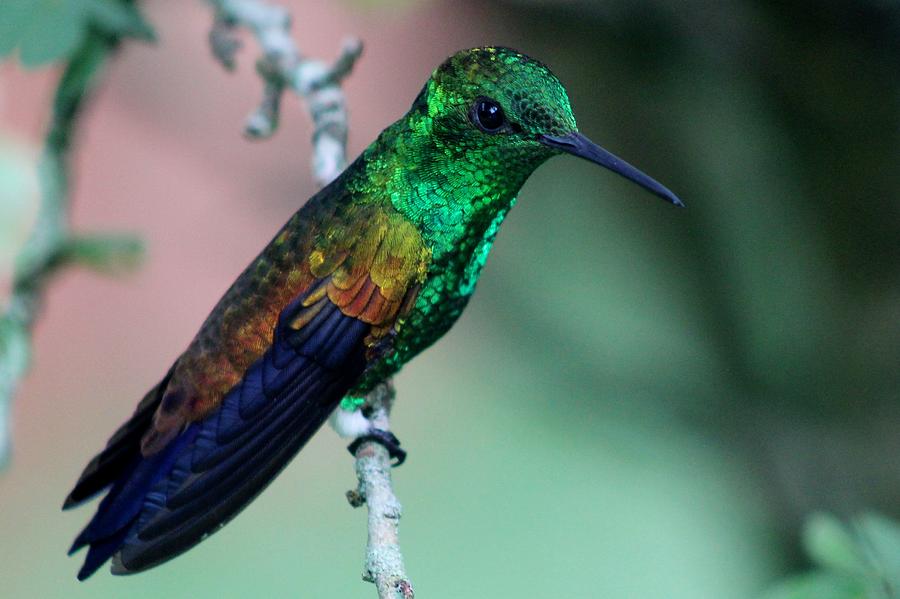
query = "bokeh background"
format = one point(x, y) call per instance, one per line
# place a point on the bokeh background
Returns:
point(639, 402)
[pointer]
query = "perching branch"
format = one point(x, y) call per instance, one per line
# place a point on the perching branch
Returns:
point(282, 66)
point(52, 245)
point(384, 561)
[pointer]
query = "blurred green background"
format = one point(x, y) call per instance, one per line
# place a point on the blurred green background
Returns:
point(639, 402)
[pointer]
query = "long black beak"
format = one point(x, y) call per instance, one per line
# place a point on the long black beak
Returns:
point(579, 145)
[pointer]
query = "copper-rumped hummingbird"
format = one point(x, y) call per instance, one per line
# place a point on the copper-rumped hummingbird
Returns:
point(369, 272)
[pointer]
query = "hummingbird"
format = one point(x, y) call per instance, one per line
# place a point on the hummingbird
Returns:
point(370, 271)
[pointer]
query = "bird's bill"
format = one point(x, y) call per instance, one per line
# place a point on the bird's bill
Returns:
point(578, 145)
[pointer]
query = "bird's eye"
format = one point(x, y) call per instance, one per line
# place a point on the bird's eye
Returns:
point(487, 115)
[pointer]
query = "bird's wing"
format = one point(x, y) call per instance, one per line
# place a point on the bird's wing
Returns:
point(163, 502)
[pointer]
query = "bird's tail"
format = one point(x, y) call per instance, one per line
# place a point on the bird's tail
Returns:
point(162, 504)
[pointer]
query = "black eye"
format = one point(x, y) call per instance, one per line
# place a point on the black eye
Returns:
point(487, 115)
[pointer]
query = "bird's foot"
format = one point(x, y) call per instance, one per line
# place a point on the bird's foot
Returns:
point(386, 439)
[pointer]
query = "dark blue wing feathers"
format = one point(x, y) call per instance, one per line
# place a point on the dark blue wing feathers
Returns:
point(161, 505)
point(223, 481)
point(118, 456)
point(121, 506)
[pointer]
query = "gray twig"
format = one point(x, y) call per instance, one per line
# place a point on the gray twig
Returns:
point(52, 245)
point(384, 561)
point(282, 66)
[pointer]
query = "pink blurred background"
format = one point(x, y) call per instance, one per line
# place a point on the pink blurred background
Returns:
point(161, 154)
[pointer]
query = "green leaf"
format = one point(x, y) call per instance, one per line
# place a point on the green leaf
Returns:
point(119, 19)
point(106, 253)
point(858, 561)
point(880, 540)
point(14, 16)
point(831, 545)
point(45, 31)
point(818, 585)
point(51, 30)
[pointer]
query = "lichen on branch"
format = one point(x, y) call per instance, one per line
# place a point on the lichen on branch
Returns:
point(384, 560)
point(281, 66)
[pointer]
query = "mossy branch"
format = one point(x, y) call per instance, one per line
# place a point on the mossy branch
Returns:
point(52, 245)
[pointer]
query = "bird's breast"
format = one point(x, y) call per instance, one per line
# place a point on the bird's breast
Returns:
point(448, 286)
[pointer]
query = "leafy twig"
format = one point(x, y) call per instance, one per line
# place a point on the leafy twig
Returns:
point(856, 559)
point(52, 245)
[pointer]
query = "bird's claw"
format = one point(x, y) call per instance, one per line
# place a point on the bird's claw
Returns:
point(386, 439)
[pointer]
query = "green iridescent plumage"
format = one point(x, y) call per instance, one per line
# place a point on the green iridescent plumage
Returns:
point(369, 272)
point(455, 182)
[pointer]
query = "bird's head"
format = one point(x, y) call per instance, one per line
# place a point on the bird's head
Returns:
point(504, 113)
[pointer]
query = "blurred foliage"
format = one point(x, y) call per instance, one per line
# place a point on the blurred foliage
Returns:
point(51, 245)
point(18, 198)
point(769, 310)
point(46, 31)
point(765, 318)
point(856, 561)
